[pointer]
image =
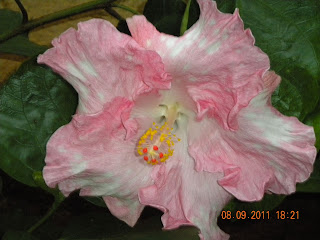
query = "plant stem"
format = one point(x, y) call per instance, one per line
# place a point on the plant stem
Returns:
point(114, 14)
point(125, 8)
point(56, 16)
point(54, 207)
point(23, 11)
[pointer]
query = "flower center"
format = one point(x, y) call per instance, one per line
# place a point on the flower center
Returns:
point(156, 145)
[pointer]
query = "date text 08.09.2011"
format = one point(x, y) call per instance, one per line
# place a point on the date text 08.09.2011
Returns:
point(256, 215)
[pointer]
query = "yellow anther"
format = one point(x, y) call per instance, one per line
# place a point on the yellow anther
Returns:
point(156, 149)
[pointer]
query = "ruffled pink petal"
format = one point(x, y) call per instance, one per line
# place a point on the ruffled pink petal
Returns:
point(187, 197)
point(216, 54)
point(269, 151)
point(128, 210)
point(212, 99)
point(102, 63)
point(93, 154)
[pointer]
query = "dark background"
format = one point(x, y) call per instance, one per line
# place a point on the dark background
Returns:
point(21, 206)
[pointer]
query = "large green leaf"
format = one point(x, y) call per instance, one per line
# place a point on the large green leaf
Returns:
point(288, 31)
point(314, 120)
point(226, 6)
point(316, 127)
point(194, 13)
point(165, 15)
point(282, 98)
point(33, 104)
point(19, 45)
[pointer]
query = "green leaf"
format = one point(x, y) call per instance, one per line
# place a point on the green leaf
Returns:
point(34, 103)
point(313, 183)
point(165, 15)
point(194, 13)
point(316, 127)
point(287, 99)
point(314, 120)
point(20, 45)
point(288, 31)
point(226, 6)
point(18, 235)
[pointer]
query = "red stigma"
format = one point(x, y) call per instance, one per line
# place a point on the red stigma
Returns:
point(153, 160)
point(155, 148)
point(145, 150)
point(145, 158)
point(161, 155)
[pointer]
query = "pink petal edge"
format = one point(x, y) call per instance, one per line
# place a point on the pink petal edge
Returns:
point(269, 151)
point(101, 63)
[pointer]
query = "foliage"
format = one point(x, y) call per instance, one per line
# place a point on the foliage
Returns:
point(34, 103)
point(20, 45)
point(288, 31)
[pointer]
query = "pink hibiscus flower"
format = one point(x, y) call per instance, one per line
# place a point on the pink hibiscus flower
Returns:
point(178, 123)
